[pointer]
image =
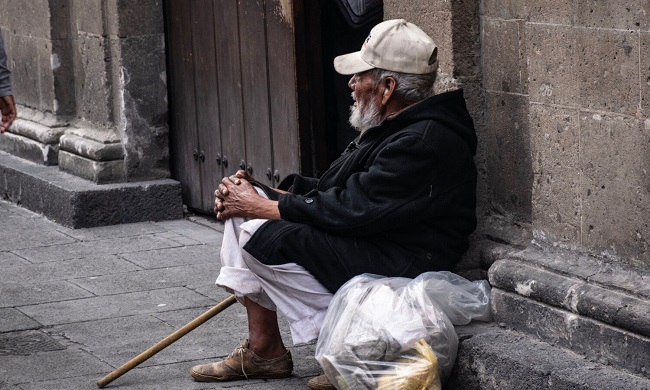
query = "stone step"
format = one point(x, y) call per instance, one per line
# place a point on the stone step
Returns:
point(601, 311)
point(493, 358)
point(77, 203)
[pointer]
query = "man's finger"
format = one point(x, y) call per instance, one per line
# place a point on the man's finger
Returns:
point(223, 190)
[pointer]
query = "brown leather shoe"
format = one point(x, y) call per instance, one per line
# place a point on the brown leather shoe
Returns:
point(242, 363)
point(320, 383)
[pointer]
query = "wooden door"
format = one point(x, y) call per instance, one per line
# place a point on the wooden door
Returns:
point(239, 99)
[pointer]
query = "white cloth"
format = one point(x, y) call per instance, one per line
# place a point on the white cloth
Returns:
point(287, 288)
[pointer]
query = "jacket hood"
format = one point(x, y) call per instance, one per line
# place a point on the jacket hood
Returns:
point(447, 108)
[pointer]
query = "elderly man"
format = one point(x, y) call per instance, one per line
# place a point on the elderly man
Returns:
point(399, 201)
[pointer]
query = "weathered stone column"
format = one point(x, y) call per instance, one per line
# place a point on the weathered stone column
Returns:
point(90, 80)
point(89, 77)
point(39, 60)
point(120, 73)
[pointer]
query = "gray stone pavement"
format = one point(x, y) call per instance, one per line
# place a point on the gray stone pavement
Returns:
point(76, 304)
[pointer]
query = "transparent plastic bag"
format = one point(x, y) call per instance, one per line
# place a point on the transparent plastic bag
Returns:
point(398, 333)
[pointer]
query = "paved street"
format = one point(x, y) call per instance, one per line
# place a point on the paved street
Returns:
point(76, 304)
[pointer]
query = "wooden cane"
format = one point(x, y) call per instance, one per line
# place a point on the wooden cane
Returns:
point(167, 341)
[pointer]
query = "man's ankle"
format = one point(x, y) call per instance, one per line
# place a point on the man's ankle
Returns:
point(267, 351)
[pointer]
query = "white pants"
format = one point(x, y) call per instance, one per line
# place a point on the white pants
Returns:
point(287, 288)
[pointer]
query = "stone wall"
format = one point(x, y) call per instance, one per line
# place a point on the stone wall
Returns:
point(562, 106)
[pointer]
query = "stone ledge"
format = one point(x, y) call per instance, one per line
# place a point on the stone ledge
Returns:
point(28, 149)
point(91, 149)
point(77, 203)
point(593, 339)
point(493, 358)
point(606, 273)
point(626, 310)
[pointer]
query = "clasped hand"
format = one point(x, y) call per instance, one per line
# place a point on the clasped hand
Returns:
point(235, 197)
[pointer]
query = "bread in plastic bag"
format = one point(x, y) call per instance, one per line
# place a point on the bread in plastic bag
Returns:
point(398, 333)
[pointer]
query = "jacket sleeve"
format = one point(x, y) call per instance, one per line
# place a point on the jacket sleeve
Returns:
point(5, 81)
point(385, 195)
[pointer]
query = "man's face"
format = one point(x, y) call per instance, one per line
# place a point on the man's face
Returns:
point(365, 112)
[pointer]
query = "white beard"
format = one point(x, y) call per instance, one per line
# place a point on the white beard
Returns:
point(364, 116)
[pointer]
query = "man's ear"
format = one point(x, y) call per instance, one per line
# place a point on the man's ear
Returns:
point(388, 86)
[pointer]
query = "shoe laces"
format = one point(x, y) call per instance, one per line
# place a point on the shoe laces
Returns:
point(240, 350)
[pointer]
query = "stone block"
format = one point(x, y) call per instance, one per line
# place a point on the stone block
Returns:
point(144, 78)
point(555, 151)
point(151, 201)
point(593, 69)
point(630, 312)
point(628, 15)
point(502, 56)
point(466, 49)
point(535, 283)
point(197, 231)
point(137, 17)
point(594, 339)
point(74, 202)
point(607, 70)
point(170, 257)
point(63, 70)
point(69, 269)
point(21, 294)
point(116, 231)
point(611, 275)
point(550, 11)
point(620, 310)
point(551, 62)
point(18, 237)
point(608, 345)
point(12, 320)
point(91, 149)
point(112, 306)
point(509, 165)
point(39, 367)
point(23, 61)
point(8, 260)
point(81, 249)
point(48, 98)
point(30, 150)
point(29, 59)
point(616, 187)
point(5, 17)
point(151, 279)
point(500, 359)
point(120, 339)
point(505, 9)
point(144, 110)
point(37, 132)
point(60, 13)
point(530, 317)
point(93, 89)
point(29, 18)
point(100, 172)
point(88, 16)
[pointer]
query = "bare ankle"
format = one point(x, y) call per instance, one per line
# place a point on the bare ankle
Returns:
point(267, 350)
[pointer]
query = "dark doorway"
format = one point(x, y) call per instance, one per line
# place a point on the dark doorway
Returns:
point(252, 86)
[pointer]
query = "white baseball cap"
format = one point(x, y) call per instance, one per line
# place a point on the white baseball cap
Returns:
point(394, 45)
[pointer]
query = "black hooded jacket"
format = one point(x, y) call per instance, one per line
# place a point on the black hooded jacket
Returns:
point(398, 202)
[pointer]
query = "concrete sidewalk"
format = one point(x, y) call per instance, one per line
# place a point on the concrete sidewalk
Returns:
point(76, 304)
